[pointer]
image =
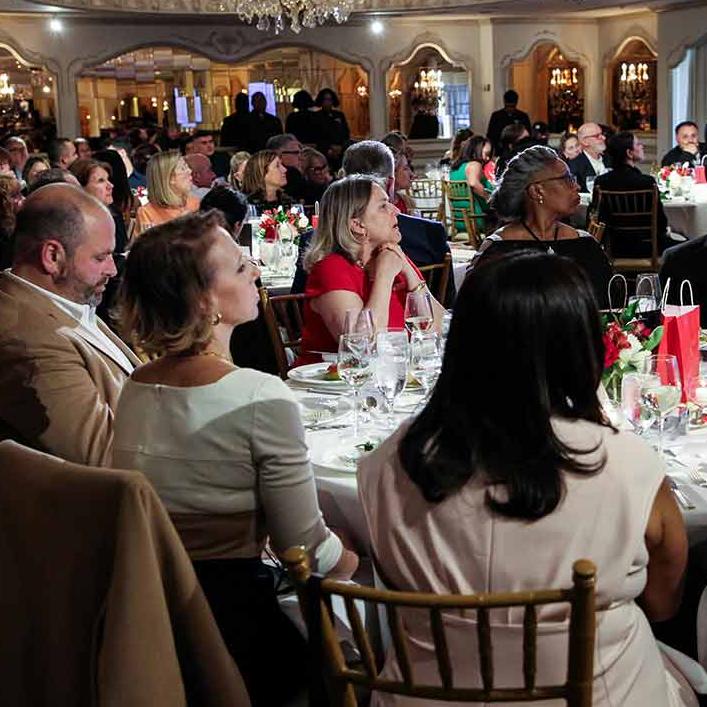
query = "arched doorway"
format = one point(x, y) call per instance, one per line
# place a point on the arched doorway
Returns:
point(27, 100)
point(428, 84)
point(176, 87)
point(633, 102)
point(551, 87)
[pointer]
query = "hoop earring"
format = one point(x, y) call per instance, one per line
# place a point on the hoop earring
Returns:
point(217, 319)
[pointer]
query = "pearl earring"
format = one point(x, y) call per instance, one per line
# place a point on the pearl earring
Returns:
point(217, 318)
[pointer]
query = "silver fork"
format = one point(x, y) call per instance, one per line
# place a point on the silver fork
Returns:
point(697, 478)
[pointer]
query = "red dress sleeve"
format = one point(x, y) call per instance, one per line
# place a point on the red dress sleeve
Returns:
point(335, 272)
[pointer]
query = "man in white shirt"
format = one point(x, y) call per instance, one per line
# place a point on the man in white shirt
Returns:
point(61, 368)
point(589, 162)
point(202, 174)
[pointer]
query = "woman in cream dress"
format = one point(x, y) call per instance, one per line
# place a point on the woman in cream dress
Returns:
point(520, 476)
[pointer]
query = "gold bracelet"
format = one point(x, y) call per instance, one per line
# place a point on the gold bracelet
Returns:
point(420, 286)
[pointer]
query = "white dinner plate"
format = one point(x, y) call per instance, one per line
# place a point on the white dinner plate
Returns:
point(343, 456)
point(323, 409)
point(312, 376)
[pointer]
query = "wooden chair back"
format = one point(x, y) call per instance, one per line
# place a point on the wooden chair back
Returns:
point(459, 209)
point(428, 195)
point(597, 229)
point(631, 213)
point(284, 318)
point(437, 277)
point(315, 596)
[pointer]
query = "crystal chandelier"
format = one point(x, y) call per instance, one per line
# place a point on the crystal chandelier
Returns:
point(275, 14)
point(7, 91)
point(427, 90)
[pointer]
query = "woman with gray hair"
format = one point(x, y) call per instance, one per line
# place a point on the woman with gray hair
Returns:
point(535, 193)
point(355, 262)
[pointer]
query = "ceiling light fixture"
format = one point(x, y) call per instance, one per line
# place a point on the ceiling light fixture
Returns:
point(275, 14)
point(56, 25)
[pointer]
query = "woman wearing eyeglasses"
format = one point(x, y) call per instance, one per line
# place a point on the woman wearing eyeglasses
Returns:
point(535, 194)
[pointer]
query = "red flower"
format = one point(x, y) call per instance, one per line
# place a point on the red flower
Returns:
point(270, 232)
point(640, 330)
point(611, 352)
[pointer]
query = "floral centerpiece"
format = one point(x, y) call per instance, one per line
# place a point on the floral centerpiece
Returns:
point(282, 225)
point(628, 342)
point(675, 179)
point(140, 193)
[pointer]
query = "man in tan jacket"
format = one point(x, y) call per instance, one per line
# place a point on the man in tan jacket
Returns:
point(61, 368)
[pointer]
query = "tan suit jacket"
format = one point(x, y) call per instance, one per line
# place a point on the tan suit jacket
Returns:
point(58, 386)
point(99, 603)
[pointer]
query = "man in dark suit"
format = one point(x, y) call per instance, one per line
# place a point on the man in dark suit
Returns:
point(626, 151)
point(424, 241)
point(508, 115)
point(688, 149)
point(687, 261)
point(261, 124)
point(289, 148)
point(589, 162)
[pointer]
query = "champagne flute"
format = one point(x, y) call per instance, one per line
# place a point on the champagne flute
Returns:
point(391, 367)
point(425, 359)
point(661, 389)
point(354, 365)
point(418, 311)
point(640, 416)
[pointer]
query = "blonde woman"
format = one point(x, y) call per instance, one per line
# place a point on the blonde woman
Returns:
point(168, 190)
point(238, 163)
point(355, 261)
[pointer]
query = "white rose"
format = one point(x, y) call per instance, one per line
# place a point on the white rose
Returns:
point(303, 222)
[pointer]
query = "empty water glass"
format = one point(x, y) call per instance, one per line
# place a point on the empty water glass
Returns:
point(391, 366)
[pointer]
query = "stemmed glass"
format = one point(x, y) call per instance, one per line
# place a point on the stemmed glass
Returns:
point(640, 416)
point(359, 321)
point(418, 311)
point(661, 389)
point(354, 365)
point(391, 367)
point(425, 359)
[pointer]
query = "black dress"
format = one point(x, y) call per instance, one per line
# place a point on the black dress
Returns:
point(584, 251)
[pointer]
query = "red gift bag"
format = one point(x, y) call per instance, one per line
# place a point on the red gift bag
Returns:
point(681, 337)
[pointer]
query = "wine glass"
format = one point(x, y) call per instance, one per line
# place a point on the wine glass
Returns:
point(425, 359)
point(391, 366)
point(354, 365)
point(418, 311)
point(640, 416)
point(661, 389)
point(590, 184)
point(270, 254)
point(359, 321)
point(647, 292)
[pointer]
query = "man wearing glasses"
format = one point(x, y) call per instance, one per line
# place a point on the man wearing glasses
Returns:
point(289, 149)
point(590, 162)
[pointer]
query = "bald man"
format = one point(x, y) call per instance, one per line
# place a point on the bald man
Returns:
point(61, 368)
point(590, 161)
point(202, 174)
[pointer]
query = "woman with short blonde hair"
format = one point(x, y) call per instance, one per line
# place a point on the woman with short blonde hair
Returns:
point(169, 186)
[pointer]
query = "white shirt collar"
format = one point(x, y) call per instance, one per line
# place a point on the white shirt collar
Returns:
point(82, 313)
point(597, 164)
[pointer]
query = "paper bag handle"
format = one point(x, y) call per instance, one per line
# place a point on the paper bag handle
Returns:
point(664, 298)
point(620, 278)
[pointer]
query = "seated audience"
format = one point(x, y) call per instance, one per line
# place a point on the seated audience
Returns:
point(61, 368)
point(625, 151)
point(540, 134)
point(452, 154)
point(34, 166)
point(168, 191)
point(6, 163)
point(202, 143)
point(140, 157)
point(12, 188)
point(231, 203)
point(569, 147)
point(403, 176)
point(202, 174)
point(53, 175)
point(223, 446)
point(467, 498)
point(398, 143)
point(688, 149)
point(7, 227)
point(238, 163)
point(514, 138)
point(289, 150)
point(83, 149)
point(264, 181)
point(469, 168)
point(355, 261)
point(19, 154)
point(687, 261)
point(317, 174)
point(590, 161)
point(61, 153)
point(535, 194)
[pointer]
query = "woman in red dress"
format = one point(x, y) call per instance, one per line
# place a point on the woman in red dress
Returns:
point(355, 261)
